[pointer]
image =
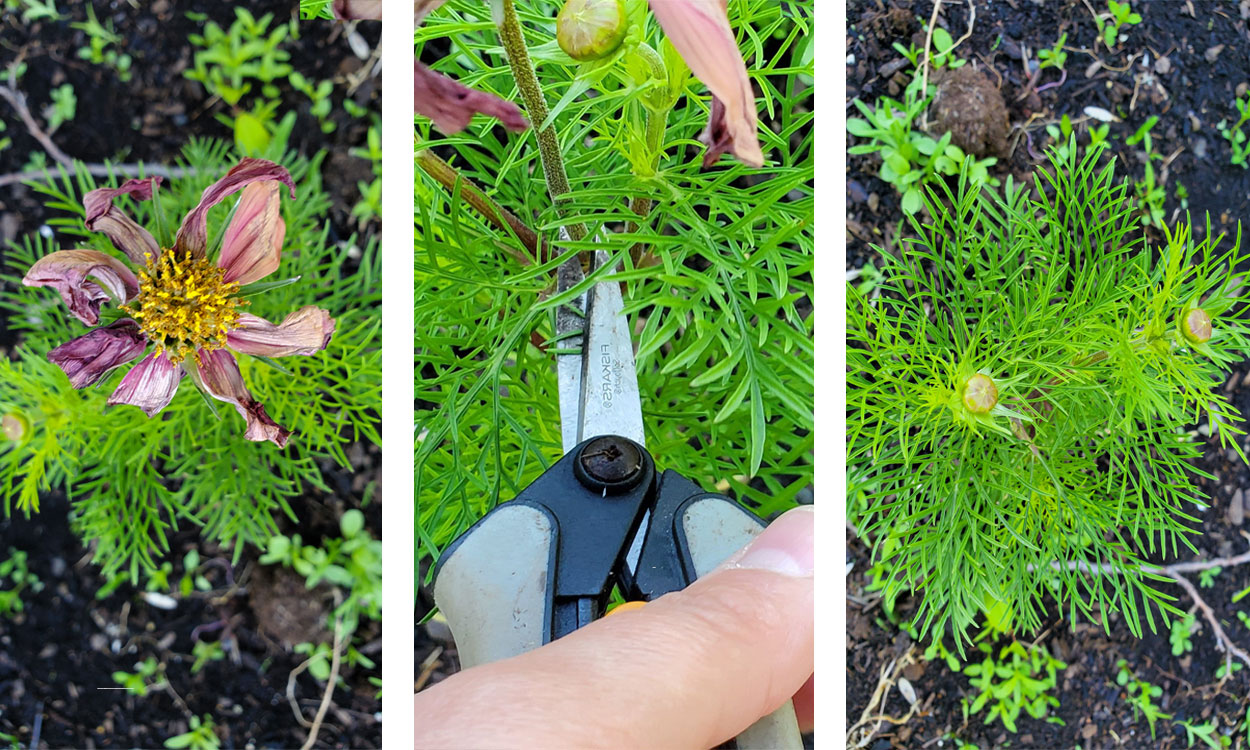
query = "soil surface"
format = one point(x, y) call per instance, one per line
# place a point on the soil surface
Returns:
point(57, 658)
point(1185, 63)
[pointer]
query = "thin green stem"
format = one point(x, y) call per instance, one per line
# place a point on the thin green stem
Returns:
point(513, 40)
point(658, 109)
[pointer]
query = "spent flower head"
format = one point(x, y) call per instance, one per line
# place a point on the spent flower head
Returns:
point(186, 312)
point(700, 31)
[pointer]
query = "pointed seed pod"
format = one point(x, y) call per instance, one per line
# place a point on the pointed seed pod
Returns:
point(980, 394)
point(590, 29)
point(1197, 326)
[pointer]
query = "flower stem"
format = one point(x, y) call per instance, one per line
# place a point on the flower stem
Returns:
point(536, 105)
point(451, 179)
point(657, 106)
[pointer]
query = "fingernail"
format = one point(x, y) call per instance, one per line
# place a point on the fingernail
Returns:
point(787, 546)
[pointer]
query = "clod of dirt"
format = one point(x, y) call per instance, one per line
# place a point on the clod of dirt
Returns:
point(969, 106)
point(286, 610)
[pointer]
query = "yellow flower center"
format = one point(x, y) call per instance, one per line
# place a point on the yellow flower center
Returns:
point(184, 305)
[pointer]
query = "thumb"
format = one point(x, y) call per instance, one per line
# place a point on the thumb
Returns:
point(690, 669)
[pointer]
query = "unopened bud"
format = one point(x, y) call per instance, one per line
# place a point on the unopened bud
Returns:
point(1197, 326)
point(980, 394)
point(14, 426)
point(590, 29)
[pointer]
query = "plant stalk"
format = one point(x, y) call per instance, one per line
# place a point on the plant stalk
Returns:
point(449, 177)
point(513, 40)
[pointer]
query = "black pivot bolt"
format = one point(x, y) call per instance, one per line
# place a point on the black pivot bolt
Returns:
point(610, 463)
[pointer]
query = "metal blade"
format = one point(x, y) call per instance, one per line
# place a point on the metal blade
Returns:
point(610, 404)
point(570, 334)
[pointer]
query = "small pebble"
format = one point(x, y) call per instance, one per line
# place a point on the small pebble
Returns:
point(1213, 53)
point(1100, 114)
point(1237, 508)
point(1163, 66)
point(1200, 148)
point(850, 58)
point(856, 192)
point(874, 200)
point(1241, 89)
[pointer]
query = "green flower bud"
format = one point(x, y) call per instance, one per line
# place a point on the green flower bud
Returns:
point(590, 29)
point(1196, 326)
point(980, 394)
point(15, 426)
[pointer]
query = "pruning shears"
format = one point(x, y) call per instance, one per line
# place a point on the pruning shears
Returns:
point(543, 564)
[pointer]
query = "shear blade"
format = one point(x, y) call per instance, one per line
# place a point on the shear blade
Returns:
point(609, 403)
point(571, 334)
point(598, 384)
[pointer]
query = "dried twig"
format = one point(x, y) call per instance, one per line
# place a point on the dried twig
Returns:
point(326, 697)
point(451, 179)
point(17, 100)
point(886, 680)
point(1176, 572)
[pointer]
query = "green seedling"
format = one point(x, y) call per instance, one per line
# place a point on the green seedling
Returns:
point(100, 39)
point(1055, 57)
point(910, 160)
point(230, 62)
point(1140, 695)
point(204, 652)
point(1180, 632)
point(1206, 578)
point(34, 10)
point(1206, 733)
point(14, 570)
point(63, 108)
point(1223, 670)
point(1235, 136)
point(148, 675)
point(202, 735)
point(1120, 15)
point(353, 562)
point(319, 94)
point(1019, 680)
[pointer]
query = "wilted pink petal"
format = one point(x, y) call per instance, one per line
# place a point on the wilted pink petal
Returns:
point(423, 8)
point(361, 9)
point(193, 234)
point(150, 385)
point(127, 236)
point(67, 271)
point(252, 246)
point(451, 105)
point(88, 358)
point(305, 331)
point(700, 31)
point(220, 377)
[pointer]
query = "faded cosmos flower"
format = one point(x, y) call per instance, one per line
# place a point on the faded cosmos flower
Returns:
point(187, 307)
point(700, 31)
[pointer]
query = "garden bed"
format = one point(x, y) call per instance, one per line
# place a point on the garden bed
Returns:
point(59, 656)
point(1185, 63)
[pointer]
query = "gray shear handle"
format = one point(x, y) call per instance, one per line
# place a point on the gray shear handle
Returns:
point(493, 586)
point(715, 528)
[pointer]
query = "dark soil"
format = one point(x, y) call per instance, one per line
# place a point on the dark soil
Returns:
point(1206, 46)
point(58, 657)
